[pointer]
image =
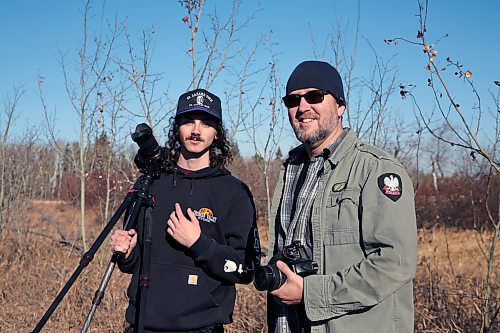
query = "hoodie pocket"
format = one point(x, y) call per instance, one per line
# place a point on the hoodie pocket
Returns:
point(177, 293)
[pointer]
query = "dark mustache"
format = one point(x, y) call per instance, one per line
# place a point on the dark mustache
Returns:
point(194, 136)
point(305, 115)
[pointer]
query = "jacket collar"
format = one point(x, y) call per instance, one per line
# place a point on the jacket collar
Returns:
point(344, 147)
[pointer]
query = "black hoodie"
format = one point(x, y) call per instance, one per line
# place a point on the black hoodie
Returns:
point(194, 288)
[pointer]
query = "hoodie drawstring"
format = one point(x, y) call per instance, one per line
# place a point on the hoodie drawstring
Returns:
point(191, 190)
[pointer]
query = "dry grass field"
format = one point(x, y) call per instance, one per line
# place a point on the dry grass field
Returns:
point(35, 264)
point(37, 257)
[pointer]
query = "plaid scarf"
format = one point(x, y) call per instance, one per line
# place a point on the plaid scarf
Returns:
point(301, 182)
point(299, 193)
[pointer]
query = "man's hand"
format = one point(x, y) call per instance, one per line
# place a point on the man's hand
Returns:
point(124, 241)
point(184, 231)
point(292, 290)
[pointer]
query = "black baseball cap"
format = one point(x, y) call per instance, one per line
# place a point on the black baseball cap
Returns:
point(316, 74)
point(199, 100)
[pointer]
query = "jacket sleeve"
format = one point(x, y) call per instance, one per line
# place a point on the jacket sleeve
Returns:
point(235, 260)
point(388, 246)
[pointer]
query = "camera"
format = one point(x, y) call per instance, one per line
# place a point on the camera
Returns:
point(295, 256)
point(149, 150)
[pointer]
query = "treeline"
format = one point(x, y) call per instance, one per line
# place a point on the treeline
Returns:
point(39, 171)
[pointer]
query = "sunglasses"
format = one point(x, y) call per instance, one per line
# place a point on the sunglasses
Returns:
point(311, 97)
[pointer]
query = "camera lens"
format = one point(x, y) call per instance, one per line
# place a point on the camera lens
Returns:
point(268, 278)
point(148, 145)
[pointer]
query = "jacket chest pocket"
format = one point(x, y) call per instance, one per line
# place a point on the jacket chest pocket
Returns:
point(342, 234)
point(342, 223)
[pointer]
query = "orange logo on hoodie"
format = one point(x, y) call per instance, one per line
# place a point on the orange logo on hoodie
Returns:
point(206, 215)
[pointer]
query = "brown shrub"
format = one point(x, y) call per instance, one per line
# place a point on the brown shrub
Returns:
point(459, 202)
point(96, 187)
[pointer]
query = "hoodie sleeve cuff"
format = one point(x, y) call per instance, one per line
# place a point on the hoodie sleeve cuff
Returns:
point(200, 247)
point(127, 265)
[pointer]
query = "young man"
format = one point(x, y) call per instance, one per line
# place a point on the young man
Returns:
point(204, 229)
point(351, 205)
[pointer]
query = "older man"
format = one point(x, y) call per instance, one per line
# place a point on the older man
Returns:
point(351, 206)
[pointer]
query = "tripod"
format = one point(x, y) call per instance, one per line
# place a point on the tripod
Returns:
point(137, 198)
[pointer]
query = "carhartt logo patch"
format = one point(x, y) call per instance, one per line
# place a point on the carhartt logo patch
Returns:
point(339, 187)
point(193, 280)
point(391, 186)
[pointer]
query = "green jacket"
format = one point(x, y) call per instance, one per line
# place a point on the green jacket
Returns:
point(364, 241)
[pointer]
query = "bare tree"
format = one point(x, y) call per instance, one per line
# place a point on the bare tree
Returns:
point(263, 126)
point(108, 150)
point(368, 97)
point(137, 70)
point(462, 127)
point(10, 105)
point(465, 129)
point(219, 41)
point(94, 59)
point(246, 74)
point(344, 59)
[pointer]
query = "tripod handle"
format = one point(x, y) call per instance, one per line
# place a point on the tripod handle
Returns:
point(117, 256)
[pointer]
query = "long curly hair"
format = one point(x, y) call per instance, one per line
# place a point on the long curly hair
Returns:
point(220, 150)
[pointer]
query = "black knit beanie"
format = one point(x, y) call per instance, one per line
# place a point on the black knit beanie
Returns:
point(316, 74)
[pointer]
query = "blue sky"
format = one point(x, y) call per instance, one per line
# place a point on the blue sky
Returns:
point(32, 34)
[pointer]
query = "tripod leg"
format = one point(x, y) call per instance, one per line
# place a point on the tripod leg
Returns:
point(117, 256)
point(131, 222)
point(144, 278)
point(99, 294)
point(84, 261)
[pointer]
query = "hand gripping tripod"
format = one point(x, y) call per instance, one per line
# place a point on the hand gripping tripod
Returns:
point(147, 159)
